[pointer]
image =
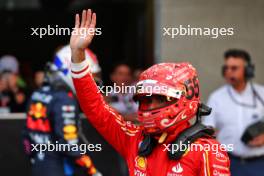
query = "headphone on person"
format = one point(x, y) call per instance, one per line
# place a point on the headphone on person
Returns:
point(249, 74)
point(249, 68)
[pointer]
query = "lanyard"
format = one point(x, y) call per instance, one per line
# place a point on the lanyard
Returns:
point(255, 97)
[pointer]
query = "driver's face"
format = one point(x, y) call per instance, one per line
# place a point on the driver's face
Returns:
point(147, 103)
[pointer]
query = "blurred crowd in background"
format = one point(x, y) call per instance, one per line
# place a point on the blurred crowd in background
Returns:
point(15, 90)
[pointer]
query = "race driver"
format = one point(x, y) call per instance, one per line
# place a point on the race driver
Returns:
point(53, 117)
point(167, 114)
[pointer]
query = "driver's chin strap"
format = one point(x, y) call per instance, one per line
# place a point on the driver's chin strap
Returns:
point(186, 137)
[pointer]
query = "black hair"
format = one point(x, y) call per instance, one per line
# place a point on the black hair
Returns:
point(238, 53)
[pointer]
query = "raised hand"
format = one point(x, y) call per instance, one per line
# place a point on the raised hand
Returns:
point(82, 34)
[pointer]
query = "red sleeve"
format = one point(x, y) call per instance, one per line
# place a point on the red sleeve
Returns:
point(107, 122)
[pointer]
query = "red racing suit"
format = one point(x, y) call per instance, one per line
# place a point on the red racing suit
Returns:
point(126, 137)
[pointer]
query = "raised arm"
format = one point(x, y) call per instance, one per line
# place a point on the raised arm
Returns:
point(110, 124)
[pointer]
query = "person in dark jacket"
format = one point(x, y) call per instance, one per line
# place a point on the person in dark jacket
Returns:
point(51, 138)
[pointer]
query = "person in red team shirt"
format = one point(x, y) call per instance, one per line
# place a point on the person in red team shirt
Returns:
point(169, 112)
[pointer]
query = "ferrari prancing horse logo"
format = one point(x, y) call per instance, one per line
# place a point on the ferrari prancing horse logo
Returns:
point(141, 163)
